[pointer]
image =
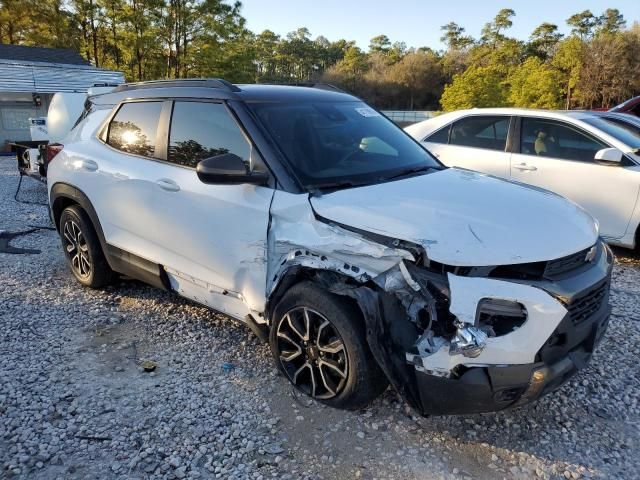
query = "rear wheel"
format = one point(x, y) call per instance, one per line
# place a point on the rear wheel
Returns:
point(82, 248)
point(319, 343)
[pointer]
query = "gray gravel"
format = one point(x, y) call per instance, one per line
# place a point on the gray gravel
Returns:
point(75, 403)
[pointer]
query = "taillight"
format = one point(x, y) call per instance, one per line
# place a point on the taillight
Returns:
point(53, 149)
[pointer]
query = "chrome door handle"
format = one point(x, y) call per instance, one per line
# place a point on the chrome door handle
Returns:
point(168, 185)
point(88, 165)
point(524, 166)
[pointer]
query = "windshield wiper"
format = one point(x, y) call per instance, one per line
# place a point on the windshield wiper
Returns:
point(411, 171)
point(332, 186)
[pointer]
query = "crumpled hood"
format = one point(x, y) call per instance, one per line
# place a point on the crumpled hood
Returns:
point(465, 218)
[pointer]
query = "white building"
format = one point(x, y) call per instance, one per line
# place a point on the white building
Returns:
point(29, 76)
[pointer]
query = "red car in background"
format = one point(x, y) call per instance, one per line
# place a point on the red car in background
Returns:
point(631, 106)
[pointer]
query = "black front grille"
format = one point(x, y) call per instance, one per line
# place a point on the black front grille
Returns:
point(586, 304)
point(566, 264)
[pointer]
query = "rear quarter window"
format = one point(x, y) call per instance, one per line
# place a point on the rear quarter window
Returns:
point(134, 127)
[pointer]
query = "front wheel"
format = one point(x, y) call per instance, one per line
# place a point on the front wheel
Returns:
point(319, 342)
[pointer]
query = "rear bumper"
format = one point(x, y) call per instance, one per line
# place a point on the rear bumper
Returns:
point(497, 387)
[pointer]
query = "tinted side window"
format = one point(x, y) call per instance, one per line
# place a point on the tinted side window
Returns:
point(441, 136)
point(481, 132)
point(133, 129)
point(547, 138)
point(201, 130)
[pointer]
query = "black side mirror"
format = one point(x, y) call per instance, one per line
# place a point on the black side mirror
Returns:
point(228, 169)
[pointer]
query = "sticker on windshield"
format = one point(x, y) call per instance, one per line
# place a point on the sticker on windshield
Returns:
point(367, 112)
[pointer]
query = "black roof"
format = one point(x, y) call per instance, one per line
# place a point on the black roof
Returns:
point(221, 89)
point(289, 93)
point(23, 53)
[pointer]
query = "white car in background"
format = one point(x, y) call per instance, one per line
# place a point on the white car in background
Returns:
point(591, 158)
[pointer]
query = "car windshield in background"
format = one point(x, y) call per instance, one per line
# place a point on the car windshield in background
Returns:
point(342, 144)
point(627, 132)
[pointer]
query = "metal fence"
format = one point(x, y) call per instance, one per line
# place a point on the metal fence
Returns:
point(407, 117)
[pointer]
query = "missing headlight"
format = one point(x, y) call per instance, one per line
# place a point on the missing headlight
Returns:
point(498, 317)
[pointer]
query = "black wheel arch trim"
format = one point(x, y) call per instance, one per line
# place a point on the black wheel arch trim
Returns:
point(121, 261)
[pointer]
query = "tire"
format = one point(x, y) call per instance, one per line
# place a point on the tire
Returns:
point(335, 337)
point(82, 249)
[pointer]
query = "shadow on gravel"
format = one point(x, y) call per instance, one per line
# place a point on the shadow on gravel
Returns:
point(6, 247)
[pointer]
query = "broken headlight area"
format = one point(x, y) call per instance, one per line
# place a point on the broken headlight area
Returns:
point(497, 317)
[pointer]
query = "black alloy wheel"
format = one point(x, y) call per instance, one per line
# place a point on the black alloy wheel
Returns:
point(76, 249)
point(312, 353)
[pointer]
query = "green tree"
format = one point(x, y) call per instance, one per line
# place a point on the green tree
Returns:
point(582, 24)
point(493, 32)
point(476, 87)
point(543, 40)
point(568, 60)
point(380, 43)
point(454, 38)
point(610, 22)
point(534, 84)
point(349, 71)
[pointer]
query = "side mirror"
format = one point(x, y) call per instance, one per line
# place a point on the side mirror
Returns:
point(228, 169)
point(608, 155)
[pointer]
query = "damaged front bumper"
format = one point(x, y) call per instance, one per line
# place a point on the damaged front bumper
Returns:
point(566, 318)
point(487, 388)
point(444, 372)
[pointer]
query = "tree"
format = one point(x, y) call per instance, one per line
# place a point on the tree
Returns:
point(568, 60)
point(476, 87)
point(544, 39)
point(492, 33)
point(582, 24)
point(454, 38)
point(380, 43)
point(420, 75)
point(610, 22)
point(535, 84)
point(607, 74)
point(350, 70)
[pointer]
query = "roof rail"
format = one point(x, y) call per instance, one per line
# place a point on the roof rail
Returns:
point(318, 85)
point(181, 82)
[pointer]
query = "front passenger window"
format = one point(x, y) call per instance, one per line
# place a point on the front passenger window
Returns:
point(201, 130)
point(548, 138)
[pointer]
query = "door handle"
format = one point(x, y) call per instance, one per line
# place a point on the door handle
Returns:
point(88, 165)
point(524, 166)
point(168, 185)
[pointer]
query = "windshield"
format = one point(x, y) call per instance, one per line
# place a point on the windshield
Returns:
point(341, 144)
point(627, 132)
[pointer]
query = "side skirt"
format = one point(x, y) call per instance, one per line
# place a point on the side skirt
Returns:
point(137, 267)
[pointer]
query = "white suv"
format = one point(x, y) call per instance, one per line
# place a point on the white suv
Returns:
point(313, 218)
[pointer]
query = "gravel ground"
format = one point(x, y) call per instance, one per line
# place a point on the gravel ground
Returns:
point(75, 402)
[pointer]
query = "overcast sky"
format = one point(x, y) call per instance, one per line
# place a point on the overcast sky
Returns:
point(415, 22)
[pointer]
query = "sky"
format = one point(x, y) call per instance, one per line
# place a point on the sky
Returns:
point(417, 23)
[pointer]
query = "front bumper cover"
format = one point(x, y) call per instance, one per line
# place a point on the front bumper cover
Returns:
point(490, 386)
point(496, 387)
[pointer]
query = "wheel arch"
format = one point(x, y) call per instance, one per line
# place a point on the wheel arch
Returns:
point(63, 195)
point(299, 273)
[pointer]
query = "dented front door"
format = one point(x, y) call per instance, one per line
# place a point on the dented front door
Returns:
point(212, 237)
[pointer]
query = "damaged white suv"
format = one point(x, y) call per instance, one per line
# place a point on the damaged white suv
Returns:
point(313, 218)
